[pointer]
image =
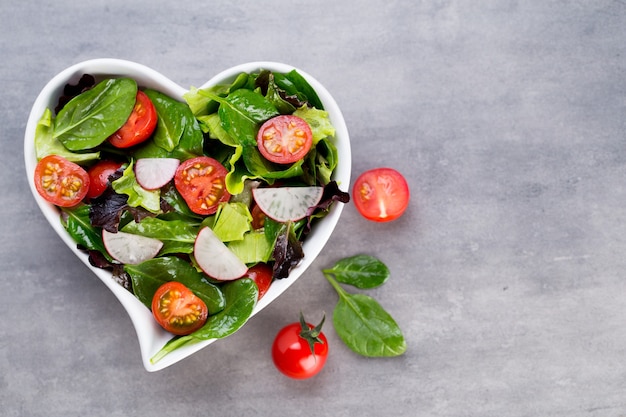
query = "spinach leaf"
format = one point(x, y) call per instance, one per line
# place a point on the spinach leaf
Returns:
point(214, 128)
point(294, 84)
point(202, 104)
point(241, 112)
point(361, 271)
point(148, 276)
point(286, 104)
point(178, 236)
point(262, 168)
point(359, 320)
point(172, 197)
point(177, 130)
point(241, 297)
point(76, 221)
point(91, 117)
point(366, 328)
point(46, 144)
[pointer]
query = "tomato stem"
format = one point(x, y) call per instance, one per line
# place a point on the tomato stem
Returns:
point(311, 335)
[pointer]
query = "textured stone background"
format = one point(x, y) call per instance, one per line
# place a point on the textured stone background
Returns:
point(508, 270)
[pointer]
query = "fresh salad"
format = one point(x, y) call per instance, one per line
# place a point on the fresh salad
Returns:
point(196, 207)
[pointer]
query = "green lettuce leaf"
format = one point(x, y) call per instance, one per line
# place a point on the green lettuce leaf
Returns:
point(232, 221)
point(137, 195)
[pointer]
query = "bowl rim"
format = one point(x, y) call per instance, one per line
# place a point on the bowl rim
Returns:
point(150, 335)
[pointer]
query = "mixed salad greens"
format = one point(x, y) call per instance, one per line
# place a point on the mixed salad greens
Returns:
point(198, 222)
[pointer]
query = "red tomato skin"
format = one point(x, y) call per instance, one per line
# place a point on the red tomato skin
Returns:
point(99, 177)
point(61, 182)
point(181, 301)
point(381, 194)
point(262, 275)
point(284, 139)
point(139, 126)
point(201, 181)
point(258, 217)
point(292, 356)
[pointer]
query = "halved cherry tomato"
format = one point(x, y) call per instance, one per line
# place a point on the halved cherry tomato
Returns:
point(177, 309)
point(139, 126)
point(258, 217)
point(99, 176)
point(262, 275)
point(61, 182)
point(381, 194)
point(300, 349)
point(284, 139)
point(201, 183)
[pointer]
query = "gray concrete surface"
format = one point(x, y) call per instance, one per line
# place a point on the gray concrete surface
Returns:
point(508, 270)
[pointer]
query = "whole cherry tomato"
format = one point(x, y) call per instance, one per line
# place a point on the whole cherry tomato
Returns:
point(262, 275)
point(99, 176)
point(300, 349)
point(139, 126)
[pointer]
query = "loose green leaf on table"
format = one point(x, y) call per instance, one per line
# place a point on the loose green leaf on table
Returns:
point(359, 320)
point(361, 271)
point(366, 328)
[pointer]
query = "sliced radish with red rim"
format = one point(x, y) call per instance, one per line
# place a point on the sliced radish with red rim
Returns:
point(215, 259)
point(154, 173)
point(128, 248)
point(287, 203)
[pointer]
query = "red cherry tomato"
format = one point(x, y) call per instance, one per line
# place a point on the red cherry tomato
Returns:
point(177, 309)
point(300, 350)
point(61, 182)
point(139, 126)
point(262, 275)
point(381, 194)
point(284, 139)
point(258, 217)
point(99, 176)
point(201, 183)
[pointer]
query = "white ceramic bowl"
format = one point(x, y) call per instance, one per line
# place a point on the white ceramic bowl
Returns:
point(151, 336)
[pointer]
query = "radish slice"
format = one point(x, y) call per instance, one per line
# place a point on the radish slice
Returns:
point(215, 259)
point(129, 248)
point(287, 203)
point(154, 173)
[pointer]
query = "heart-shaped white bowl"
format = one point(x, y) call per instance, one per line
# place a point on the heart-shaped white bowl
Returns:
point(151, 336)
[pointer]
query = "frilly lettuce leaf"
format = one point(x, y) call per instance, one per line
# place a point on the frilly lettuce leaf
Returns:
point(318, 120)
point(232, 221)
point(137, 195)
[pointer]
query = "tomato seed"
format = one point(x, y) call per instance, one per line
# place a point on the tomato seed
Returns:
point(365, 191)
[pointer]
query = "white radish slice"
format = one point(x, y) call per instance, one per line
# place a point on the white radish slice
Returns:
point(154, 173)
point(215, 259)
point(129, 248)
point(287, 203)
